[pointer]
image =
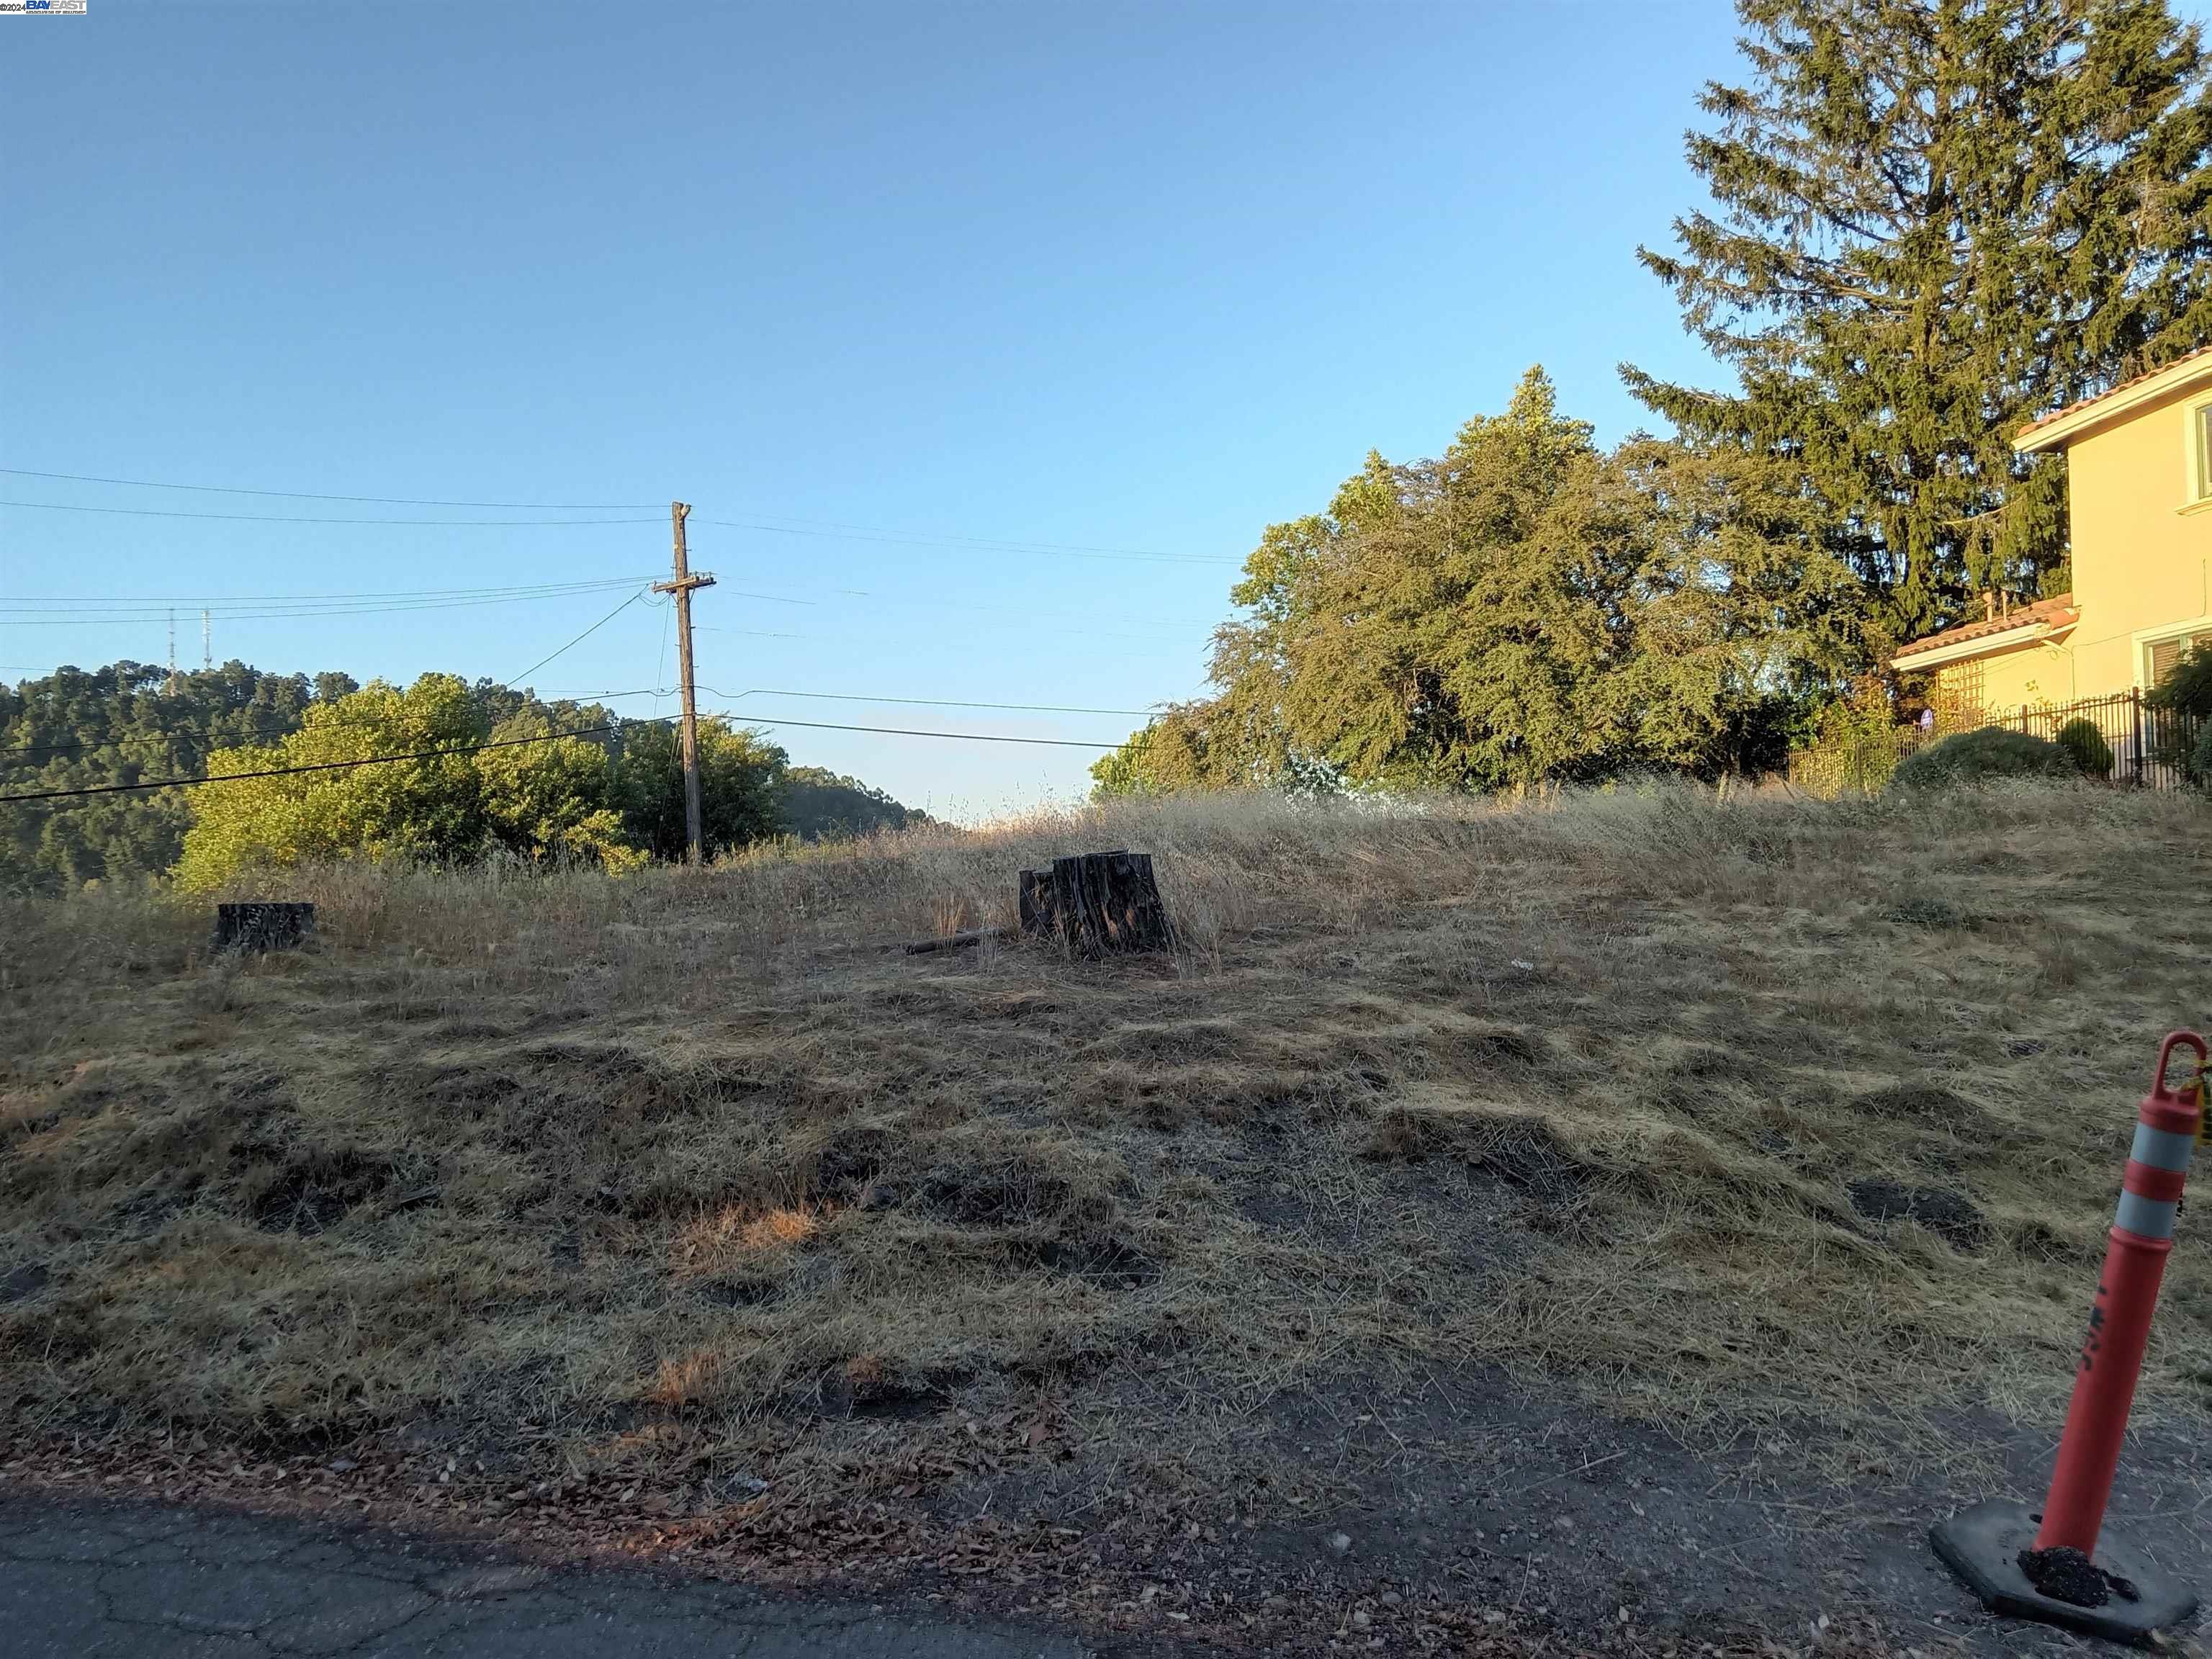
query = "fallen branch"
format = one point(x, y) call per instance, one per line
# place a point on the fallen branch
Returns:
point(922, 947)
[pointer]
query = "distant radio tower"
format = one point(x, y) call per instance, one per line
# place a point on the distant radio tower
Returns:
point(207, 643)
point(172, 651)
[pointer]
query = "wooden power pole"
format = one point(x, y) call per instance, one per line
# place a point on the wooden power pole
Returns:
point(681, 587)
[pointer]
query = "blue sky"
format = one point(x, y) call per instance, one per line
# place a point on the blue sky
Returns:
point(1125, 276)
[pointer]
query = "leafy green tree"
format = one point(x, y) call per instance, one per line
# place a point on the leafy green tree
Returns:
point(1524, 607)
point(1933, 219)
point(554, 799)
point(1231, 741)
point(430, 808)
point(740, 787)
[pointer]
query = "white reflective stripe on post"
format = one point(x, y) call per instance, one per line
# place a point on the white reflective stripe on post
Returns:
point(2146, 1218)
point(2162, 1149)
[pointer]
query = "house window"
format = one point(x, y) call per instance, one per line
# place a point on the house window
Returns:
point(2161, 655)
point(2204, 452)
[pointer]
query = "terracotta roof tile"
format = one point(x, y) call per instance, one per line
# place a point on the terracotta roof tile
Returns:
point(2080, 404)
point(2053, 613)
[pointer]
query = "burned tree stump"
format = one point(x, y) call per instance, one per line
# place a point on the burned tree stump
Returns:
point(263, 926)
point(1098, 903)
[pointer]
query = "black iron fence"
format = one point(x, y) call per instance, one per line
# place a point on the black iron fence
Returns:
point(2150, 746)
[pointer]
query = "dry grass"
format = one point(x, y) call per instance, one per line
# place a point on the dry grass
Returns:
point(1665, 1098)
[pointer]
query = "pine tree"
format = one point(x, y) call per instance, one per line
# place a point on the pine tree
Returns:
point(1935, 220)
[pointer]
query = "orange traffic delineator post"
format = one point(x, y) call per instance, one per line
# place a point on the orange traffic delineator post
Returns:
point(2053, 1563)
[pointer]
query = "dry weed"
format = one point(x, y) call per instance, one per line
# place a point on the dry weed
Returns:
point(1760, 1114)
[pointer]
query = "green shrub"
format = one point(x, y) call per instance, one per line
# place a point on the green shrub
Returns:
point(2187, 687)
point(2200, 758)
point(1975, 756)
point(2091, 754)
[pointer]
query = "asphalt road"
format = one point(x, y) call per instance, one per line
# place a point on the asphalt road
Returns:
point(158, 1583)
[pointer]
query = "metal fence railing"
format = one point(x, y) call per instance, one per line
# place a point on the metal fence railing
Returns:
point(2150, 745)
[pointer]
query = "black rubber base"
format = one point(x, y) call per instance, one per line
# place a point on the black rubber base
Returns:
point(1982, 1545)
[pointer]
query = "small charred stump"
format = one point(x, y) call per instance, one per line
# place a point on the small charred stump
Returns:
point(263, 926)
point(1097, 904)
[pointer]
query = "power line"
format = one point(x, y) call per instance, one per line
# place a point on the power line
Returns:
point(927, 703)
point(1028, 612)
point(289, 771)
point(270, 518)
point(866, 533)
point(908, 732)
point(514, 743)
point(142, 619)
point(218, 740)
point(311, 495)
point(520, 589)
point(581, 637)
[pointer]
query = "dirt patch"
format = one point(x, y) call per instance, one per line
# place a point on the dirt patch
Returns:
point(1936, 915)
point(21, 1283)
point(854, 1164)
point(1016, 1193)
point(1526, 1153)
point(869, 1388)
point(311, 1195)
point(1109, 1261)
point(741, 1293)
point(1948, 1215)
point(2067, 1575)
point(1920, 1102)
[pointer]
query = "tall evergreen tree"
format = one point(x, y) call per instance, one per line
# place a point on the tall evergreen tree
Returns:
point(1935, 220)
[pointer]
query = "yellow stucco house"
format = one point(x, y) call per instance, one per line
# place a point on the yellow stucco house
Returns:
point(2139, 487)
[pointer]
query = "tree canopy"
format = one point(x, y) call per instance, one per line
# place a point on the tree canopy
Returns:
point(504, 780)
point(1525, 606)
point(78, 728)
point(1931, 222)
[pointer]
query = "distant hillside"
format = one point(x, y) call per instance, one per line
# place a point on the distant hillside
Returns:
point(820, 805)
point(77, 728)
point(80, 728)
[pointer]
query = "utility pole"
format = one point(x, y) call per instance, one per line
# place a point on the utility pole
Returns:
point(681, 587)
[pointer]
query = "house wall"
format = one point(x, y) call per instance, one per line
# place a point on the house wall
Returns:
point(2142, 543)
point(2004, 681)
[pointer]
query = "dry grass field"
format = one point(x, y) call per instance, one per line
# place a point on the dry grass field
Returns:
point(1784, 1128)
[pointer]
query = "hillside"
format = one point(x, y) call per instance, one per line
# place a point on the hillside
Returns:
point(131, 721)
point(1603, 1212)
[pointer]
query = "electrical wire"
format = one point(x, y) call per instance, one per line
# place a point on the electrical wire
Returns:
point(581, 637)
point(926, 702)
point(154, 618)
point(270, 518)
point(865, 533)
point(1177, 629)
point(217, 740)
point(311, 495)
point(908, 732)
point(290, 771)
point(518, 589)
point(514, 743)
